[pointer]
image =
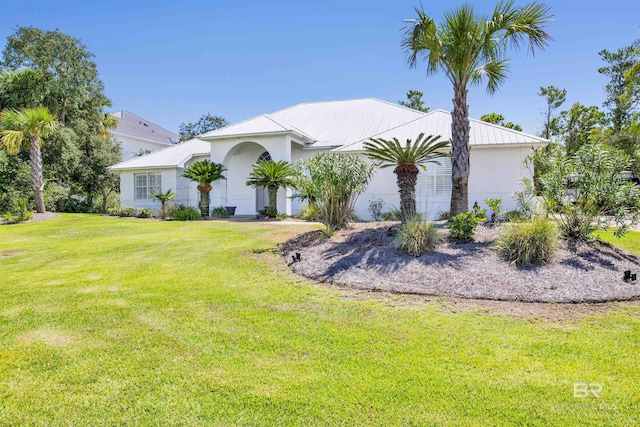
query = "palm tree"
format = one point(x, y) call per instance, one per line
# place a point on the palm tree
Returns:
point(23, 129)
point(164, 198)
point(272, 175)
point(470, 48)
point(204, 173)
point(406, 161)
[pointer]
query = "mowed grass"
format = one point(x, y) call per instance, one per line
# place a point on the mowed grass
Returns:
point(629, 242)
point(107, 321)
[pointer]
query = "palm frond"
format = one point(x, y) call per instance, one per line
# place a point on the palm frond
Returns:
point(390, 153)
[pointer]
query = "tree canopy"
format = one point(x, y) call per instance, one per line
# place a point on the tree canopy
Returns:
point(206, 123)
point(56, 71)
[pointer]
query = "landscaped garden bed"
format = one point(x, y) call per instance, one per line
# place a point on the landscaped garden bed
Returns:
point(365, 257)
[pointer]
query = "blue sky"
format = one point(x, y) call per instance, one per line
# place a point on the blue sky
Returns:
point(171, 62)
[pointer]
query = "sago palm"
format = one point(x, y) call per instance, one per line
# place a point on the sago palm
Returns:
point(204, 173)
point(23, 129)
point(470, 49)
point(406, 160)
point(272, 175)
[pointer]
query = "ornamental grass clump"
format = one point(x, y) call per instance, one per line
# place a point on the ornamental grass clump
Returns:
point(417, 237)
point(530, 242)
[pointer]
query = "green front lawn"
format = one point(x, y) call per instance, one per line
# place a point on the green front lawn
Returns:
point(107, 321)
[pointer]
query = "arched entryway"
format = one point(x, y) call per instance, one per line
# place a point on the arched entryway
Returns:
point(239, 162)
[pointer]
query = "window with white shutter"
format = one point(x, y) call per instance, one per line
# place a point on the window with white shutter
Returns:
point(435, 181)
point(145, 183)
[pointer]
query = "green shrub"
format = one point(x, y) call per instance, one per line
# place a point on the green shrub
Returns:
point(268, 213)
point(21, 211)
point(495, 205)
point(145, 213)
point(113, 211)
point(78, 204)
point(128, 211)
point(480, 214)
point(530, 242)
point(589, 190)
point(309, 212)
point(517, 216)
point(53, 194)
point(186, 213)
point(332, 181)
point(280, 216)
point(220, 212)
point(463, 226)
point(375, 208)
point(394, 214)
point(418, 236)
point(444, 215)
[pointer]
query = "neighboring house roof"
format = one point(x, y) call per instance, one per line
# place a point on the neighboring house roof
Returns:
point(171, 157)
point(136, 127)
point(438, 122)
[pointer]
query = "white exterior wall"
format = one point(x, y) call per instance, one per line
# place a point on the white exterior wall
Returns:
point(131, 147)
point(127, 188)
point(495, 173)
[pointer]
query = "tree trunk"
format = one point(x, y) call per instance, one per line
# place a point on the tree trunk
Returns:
point(204, 203)
point(37, 180)
point(104, 194)
point(460, 153)
point(273, 199)
point(407, 177)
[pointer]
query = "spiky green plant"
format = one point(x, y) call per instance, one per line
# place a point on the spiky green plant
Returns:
point(204, 173)
point(469, 49)
point(406, 159)
point(271, 175)
point(164, 198)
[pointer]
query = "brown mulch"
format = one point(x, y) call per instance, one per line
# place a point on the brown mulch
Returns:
point(364, 258)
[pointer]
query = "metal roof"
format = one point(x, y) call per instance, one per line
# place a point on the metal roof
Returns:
point(438, 122)
point(342, 125)
point(174, 156)
point(326, 124)
point(136, 127)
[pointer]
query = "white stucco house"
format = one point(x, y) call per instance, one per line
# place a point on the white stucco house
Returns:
point(139, 136)
point(301, 131)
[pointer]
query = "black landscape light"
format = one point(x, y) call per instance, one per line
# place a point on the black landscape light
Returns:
point(627, 275)
point(633, 277)
point(293, 257)
point(298, 256)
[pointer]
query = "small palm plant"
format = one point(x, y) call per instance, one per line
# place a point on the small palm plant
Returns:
point(204, 173)
point(164, 198)
point(406, 160)
point(23, 129)
point(272, 175)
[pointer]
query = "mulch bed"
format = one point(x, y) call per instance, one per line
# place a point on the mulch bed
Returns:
point(364, 257)
point(36, 217)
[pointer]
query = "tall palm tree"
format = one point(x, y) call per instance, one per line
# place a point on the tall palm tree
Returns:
point(406, 161)
point(204, 173)
point(23, 129)
point(470, 48)
point(272, 175)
